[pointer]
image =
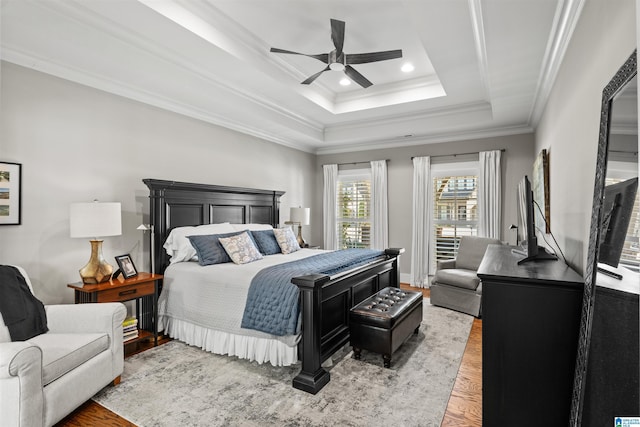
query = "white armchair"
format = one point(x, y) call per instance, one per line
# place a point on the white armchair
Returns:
point(46, 377)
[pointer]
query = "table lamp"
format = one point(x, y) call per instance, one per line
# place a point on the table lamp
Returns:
point(95, 220)
point(300, 216)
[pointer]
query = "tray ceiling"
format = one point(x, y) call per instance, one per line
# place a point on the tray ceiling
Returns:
point(481, 67)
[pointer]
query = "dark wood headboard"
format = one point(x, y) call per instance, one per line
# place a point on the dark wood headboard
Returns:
point(176, 204)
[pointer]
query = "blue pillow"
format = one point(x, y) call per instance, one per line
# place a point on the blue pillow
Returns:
point(266, 242)
point(209, 249)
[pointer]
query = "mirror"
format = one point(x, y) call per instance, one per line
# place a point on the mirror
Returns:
point(613, 256)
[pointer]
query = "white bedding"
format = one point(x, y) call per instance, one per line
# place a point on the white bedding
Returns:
point(203, 306)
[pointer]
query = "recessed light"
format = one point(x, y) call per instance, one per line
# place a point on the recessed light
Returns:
point(345, 81)
point(407, 67)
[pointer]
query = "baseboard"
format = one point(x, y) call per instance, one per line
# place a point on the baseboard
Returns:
point(405, 278)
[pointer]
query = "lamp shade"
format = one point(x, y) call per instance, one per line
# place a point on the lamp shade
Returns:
point(300, 215)
point(95, 219)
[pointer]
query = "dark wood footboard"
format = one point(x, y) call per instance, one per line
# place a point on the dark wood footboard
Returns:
point(325, 304)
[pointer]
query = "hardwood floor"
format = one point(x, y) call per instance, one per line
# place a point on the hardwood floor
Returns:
point(463, 410)
point(465, 403)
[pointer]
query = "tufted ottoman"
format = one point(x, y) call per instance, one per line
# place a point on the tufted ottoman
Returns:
point(382, 322)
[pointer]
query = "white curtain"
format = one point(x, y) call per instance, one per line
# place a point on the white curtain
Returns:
point(329, 206)
point(379, 205)
point(421, 222)
point(489, 194)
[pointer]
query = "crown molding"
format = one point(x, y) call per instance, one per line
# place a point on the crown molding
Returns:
point(469, 108)
point(564, 23)
point(134, 93)
point(412, 90)
point(118, 89)
point(256, 114)
point(411, 141)
point(477, 23)
point(84, 16)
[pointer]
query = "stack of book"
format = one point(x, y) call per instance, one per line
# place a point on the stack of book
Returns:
point(129, 328)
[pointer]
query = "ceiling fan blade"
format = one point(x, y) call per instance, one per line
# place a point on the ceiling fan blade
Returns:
point(356, 76)
point(324, 57)
point(315, 76)
point(363, 58)
point(337, 35)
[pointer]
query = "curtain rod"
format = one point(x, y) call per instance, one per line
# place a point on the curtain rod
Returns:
point(457, 154)
point(355, 163)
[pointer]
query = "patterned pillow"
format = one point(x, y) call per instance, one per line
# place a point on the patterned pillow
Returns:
point(266, 242)
point(209, 249)
point(241, 248)
point(286, 240)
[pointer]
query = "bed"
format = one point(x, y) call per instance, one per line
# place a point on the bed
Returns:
point(324, 299)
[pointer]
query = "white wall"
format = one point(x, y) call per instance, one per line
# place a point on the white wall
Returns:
point(76, 143)
point(604, 38)
point(517, 161)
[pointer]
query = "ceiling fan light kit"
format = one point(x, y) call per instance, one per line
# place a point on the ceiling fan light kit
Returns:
point(337, 60)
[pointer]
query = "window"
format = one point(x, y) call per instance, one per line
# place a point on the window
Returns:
point(455, 207)
point(354, 209)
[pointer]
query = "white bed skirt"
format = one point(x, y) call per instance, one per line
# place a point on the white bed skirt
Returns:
point(261, 350)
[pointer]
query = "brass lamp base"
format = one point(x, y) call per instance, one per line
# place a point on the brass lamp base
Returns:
point(301, 241)
point(97, 269)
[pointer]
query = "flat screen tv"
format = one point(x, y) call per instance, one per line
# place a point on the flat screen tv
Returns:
point(617, 209)
point(527, 227)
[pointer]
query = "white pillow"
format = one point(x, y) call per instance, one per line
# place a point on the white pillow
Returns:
point(286, 240)
point(240, 248)
point(179, 247)
point(251, 227)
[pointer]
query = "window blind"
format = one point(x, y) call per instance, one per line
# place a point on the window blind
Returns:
point(354, 209)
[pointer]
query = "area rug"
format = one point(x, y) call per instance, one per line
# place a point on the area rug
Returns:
point(179, 385)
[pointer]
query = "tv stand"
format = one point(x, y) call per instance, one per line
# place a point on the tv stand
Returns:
point(542, 255)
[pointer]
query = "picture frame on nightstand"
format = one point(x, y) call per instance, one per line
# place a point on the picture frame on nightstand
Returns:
point(126, 267)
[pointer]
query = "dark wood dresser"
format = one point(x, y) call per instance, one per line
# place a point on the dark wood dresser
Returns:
point(530, 328)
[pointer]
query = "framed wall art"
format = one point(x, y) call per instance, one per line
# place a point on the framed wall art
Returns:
point(10, 193)
point(540, 187)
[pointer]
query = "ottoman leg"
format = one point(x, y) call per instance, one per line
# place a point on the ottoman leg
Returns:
point(387, 360)
point(356, 353)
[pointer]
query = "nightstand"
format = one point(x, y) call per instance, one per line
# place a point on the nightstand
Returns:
point(142, 288)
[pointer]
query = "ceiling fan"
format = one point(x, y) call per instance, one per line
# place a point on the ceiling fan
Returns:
point(340, 61)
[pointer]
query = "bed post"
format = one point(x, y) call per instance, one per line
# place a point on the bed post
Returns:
point(158, 220)
point(312, 376)
point(395, 254)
